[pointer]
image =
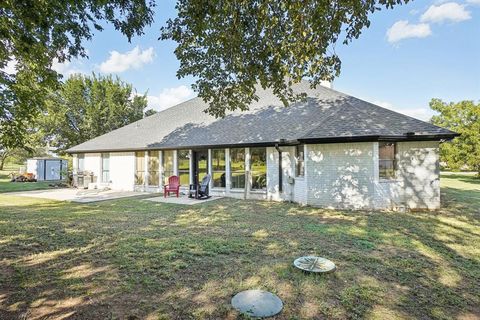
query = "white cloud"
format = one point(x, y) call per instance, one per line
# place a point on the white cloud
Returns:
point(10, 67)
point(67, 68)
point(170, 97)
point(450, 11)
point(403, 30)
point(134, 59)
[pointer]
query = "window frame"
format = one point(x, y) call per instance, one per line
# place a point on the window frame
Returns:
point(136, 179)
point(164, 165)
point(299, 163)
point(232, 151)
point(105, 156)
point(224, 171)
point(80, 156)
point(184, 171)
point(386, 177)
point(264, 184)
point(156, 172)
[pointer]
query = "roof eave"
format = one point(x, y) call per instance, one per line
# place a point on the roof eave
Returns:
point(372, 138)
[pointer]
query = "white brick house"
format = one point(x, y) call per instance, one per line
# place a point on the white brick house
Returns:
point(336, 151)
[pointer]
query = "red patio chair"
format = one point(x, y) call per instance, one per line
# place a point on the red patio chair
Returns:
point(172, 186)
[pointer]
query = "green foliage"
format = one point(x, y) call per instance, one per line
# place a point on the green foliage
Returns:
point(231, 46)
point(88, 106)
point(464, 118)
point(35, 33)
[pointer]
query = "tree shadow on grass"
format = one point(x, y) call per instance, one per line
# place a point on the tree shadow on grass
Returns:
point(133, 258)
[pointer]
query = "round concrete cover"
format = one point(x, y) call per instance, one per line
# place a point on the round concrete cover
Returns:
point(257, 303)
point(314, 264)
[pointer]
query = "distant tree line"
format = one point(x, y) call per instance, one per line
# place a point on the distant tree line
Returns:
point(81, 108)
point(464, 118)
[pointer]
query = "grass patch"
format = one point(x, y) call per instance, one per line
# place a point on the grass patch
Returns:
point(134, 259)
point(7, 186)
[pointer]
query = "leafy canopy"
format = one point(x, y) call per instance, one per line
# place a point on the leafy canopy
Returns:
point(231, 46)
point(35, 33)
point(464, 118)
point(227, 46)
point(86, 107)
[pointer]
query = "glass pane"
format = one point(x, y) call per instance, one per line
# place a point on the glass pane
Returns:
point(218, 159)
point(183, 160)
point(386, 150)
point(167, 163)
point(184, 178)
point(386, 162)
point(139, 168)
point(202, 159)
point(153, 168)
point(237, 165)
point(105, 161)
point(258, 162)
point(219, 179)
point(81, 162)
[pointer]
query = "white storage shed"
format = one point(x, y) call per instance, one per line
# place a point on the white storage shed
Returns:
point(50, 169)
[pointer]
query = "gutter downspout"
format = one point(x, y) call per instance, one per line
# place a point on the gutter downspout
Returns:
point(280, 170)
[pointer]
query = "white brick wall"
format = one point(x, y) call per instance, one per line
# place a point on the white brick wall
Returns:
point(418, 175)
point(340, 175)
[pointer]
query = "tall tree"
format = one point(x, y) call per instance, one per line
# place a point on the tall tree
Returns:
point(228, 46)
point(231, 46)
point(88, 106)
point(462, 117)
point(35, 33)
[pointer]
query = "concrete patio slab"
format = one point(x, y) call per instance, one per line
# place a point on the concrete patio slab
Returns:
point(76, 195)
point(181, 200)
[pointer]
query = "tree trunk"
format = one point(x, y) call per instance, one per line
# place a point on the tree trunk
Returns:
point(3, 157)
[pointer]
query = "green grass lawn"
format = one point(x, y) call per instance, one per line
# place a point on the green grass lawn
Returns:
point(7, 186)
point(134, 259)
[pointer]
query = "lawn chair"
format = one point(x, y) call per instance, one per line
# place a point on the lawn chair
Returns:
point(172, 186)
point(200, 191)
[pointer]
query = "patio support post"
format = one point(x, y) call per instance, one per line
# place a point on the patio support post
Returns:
point(228, 182)
point(248, 176)
point(175, 163)
point(160, 169)
point(191, 170)
point(145, 182)
point(209, 169)
point(280, 169)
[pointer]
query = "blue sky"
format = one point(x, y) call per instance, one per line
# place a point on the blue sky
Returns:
point(415, 52)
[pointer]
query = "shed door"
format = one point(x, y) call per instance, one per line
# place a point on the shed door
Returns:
point(53, 170)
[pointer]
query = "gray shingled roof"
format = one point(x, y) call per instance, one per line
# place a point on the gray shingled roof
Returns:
point(325, 114)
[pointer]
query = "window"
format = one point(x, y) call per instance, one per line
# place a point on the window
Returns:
point(183, 161)
point(237, 167)
point(258, 164)
point(105, 167)
point(300, 156)
point(153, 167)
point(80, 163)
point(167, 164)
point(218, 168)
point(139, 168)
point(387, 162)
point(202, 163)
